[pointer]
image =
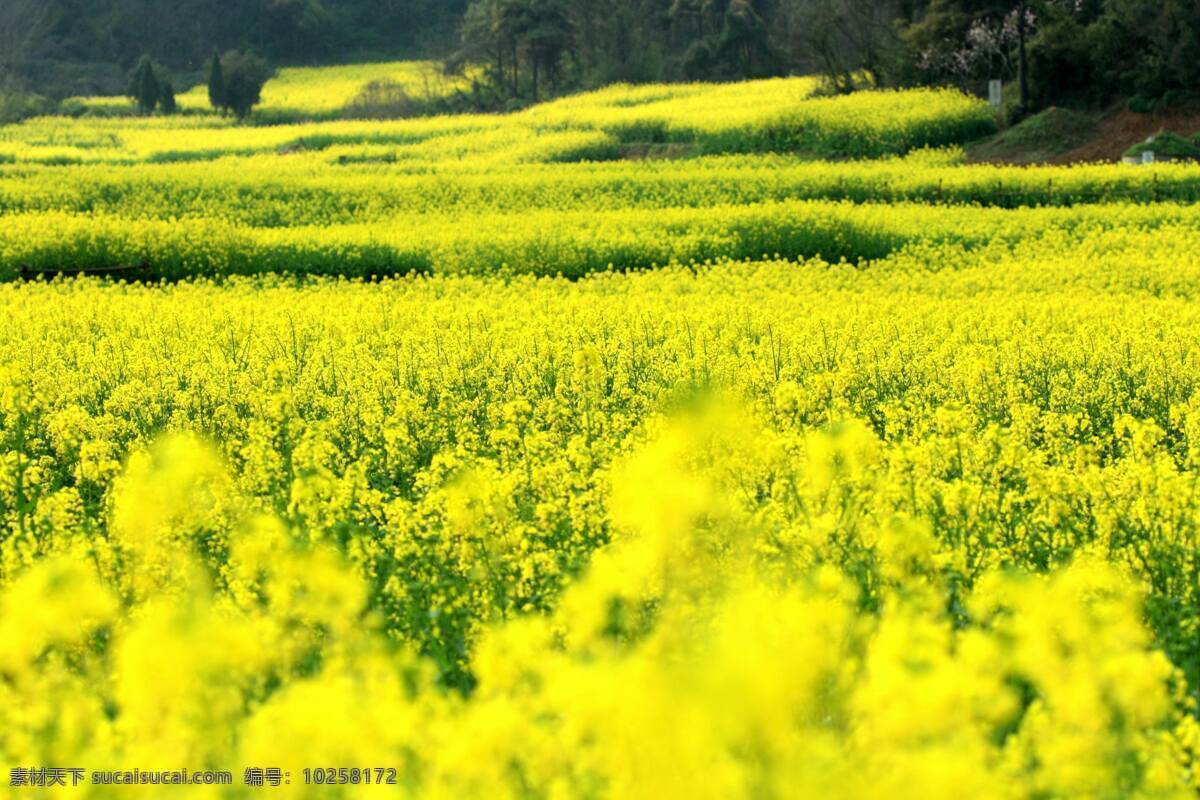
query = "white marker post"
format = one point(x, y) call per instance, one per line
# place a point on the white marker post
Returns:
point(1148, 157)
point(996, 93)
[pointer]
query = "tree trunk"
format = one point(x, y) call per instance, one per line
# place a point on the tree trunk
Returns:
point(516, 58)
point(1022, 57)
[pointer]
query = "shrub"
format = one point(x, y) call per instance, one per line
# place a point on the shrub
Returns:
point(245, 75)
point(166, 98)
point(382, 99)
point(1168, 146)
point(17, 105)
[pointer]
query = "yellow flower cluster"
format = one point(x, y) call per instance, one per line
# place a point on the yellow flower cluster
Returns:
point(553, 190)
point(575, 242)
point(756, 116)
point(787, 528)
point(507, 168)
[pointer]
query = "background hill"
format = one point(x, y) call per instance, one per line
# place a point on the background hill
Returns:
point(1076, 53)
point(81, 47)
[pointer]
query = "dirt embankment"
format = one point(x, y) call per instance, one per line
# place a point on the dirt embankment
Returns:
point(1121, 129)
point(1058, 136)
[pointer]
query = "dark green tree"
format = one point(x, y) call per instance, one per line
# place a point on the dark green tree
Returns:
point(143, 86)
point(166, 97)
point(1148, 47)
point(547, 41)
point(744, 44)
point(627, 40)
point(216, 83)
point(1058, 51)
point(245, 76)
point(24, 25)
point(516, 40)
point(510, 22)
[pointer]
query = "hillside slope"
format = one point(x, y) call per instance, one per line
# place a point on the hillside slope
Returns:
point(1059, 136)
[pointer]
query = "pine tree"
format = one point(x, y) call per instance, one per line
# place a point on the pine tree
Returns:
point(217, 91)
point(148, 93)
point(143, 86)
point(166, 100)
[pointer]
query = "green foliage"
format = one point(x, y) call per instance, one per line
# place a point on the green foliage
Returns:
point(1039, 137)
point(1151, 47)
point(244, 75)
point(182, 34)
point(16, 105)
point(1085, 52)
point(381, 99)
point(1088, 52)
point(1168, 146)
point(166, 97)
point(1060, 65)
point(523, 43)
point(144, 87)
point(216, 83)
point(1170, 100)
point(151, 88)
point(1142, 105)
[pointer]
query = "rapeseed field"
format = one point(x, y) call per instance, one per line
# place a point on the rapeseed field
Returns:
point(499, 456)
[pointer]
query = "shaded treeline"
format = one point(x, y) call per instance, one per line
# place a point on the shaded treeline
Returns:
point(59, 47)
point(1085, 52)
